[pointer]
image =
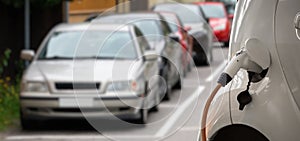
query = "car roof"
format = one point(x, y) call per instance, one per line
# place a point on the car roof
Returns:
point(183, 4)
point(92, 26)
point(129, 16)
point(209, 3)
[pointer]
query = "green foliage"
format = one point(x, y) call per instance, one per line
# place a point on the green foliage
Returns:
point(35, 3)
point(9, 103)
point(4, 60)
point(9, 92)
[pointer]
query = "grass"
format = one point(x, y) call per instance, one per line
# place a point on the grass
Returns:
point(9, 103)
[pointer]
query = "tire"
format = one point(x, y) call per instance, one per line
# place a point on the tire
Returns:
point(226, 44)
point(164, 75)
point(166, 95)
point(27, 124)
point(155, 108)
point(143, 116)
point(178, 84)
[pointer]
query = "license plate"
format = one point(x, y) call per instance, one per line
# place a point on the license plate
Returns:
point(75, 102)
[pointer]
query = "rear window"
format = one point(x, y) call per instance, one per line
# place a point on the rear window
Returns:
point(213, 11)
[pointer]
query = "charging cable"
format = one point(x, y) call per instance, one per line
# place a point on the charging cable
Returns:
point(254, 58)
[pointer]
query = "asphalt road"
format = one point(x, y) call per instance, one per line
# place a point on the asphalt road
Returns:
point(176, 120)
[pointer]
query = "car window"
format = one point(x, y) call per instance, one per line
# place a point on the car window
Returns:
point(172, 22)
point(143, 44)
point(165, 27)
point(187, 13)
point(150, 29)
point(213, 11)
point(89, 44)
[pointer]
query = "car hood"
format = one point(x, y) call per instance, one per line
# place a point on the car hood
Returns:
point(195, 27)
point(82, 70)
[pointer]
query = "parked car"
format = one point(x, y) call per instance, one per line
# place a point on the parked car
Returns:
point(78, 67)
point(156, 30)
point(230, 7)
point(218, 20)
point(191, 15)
point(268, 31)
point(185, 40)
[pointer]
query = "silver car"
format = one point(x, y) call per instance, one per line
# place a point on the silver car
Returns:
point(191, 15)
point(83, 70)
point(161, 39)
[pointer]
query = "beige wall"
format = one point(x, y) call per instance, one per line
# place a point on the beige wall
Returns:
point(79, 10)
point(153, 2)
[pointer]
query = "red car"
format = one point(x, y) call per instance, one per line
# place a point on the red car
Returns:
point(185, 40)
point(219, 20)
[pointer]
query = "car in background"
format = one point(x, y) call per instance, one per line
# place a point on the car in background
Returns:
point(230, 7)
point(218, 20)
point(185, 40)
point(158, 33)
point(91, 71)
point(191, 15)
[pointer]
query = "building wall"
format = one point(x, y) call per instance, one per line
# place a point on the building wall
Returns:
point(79, 10)
point(153, 2)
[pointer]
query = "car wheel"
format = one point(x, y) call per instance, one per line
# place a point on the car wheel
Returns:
point(167, 93)
point(155, 108)
point(178, 84)
point(143, 116)
point(27, 124)
point(201, 59)
point(226, 44)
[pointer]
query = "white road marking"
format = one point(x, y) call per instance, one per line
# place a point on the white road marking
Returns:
point(168, 106)
point(70, 137)
point(170, 122)
point(216, 72)
point(191, 128)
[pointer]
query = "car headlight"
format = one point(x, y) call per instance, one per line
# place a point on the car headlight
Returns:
point(36, 87)
point(220, 27)
point(121, 86)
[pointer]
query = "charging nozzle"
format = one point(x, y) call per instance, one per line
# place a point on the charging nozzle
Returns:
point(254, 57)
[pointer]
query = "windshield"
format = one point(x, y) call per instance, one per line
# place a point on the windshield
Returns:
point(90, 44)
point(187, 13)
point(213, 11)
point(172, 22)
point(150, 29)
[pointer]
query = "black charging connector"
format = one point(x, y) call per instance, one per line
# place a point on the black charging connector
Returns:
point(244, 98)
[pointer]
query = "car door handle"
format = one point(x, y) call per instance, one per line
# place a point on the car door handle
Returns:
point(297, 21)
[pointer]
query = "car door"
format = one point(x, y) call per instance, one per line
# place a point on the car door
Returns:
point(150, 70)
point(288, 44)
point(173, 52)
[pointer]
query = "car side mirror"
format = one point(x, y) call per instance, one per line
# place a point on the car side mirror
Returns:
point(174, 37)
point(187, 28)
point(27, 55)
point(230, 16)
point(151, 55)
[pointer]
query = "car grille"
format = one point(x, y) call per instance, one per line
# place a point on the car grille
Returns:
point(77, 86)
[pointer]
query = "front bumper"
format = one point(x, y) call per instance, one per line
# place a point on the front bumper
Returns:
point(79, 106)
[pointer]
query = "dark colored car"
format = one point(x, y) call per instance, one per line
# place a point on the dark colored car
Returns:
point(192, 15)
point(159, 35)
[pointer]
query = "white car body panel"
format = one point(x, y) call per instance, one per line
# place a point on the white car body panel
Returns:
point(273, 111)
